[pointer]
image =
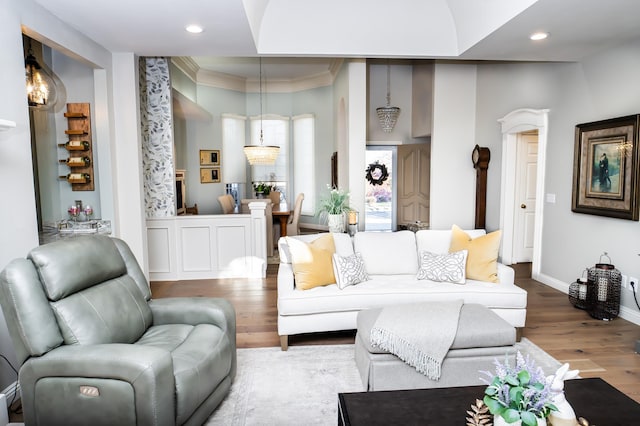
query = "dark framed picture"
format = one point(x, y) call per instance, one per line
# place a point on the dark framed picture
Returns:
point(210, 175)
point(209, 157)
point(605, 168)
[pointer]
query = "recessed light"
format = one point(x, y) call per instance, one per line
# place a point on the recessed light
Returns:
point(538, 36)
point(194, 29)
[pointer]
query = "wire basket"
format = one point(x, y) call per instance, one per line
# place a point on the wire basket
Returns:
point(603, 299)
point(579, 290)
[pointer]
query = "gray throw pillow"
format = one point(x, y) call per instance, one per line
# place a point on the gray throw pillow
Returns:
point(449, 267)
point(349, 270)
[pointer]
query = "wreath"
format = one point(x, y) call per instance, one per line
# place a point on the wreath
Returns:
point(377, 173)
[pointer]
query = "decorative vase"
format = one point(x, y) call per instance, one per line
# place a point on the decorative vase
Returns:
point(499, 421)
point(336, 222)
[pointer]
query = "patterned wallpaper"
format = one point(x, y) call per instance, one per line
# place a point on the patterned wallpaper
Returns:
point(157, 137)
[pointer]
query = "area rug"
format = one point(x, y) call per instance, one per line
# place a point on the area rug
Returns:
point(301, 386)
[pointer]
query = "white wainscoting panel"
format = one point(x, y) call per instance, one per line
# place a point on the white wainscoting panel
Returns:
point(195, 250)
point(161, 244)
point(208, 246)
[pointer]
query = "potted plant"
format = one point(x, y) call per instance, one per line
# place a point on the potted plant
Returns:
point(519, 395)
point(262, 189)
point(333, 207)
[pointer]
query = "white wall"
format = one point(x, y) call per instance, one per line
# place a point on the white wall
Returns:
point(19, 232)
point(401, 93)
point(452, 141)
point(77, 79)
point(575, 93)
point(15, 151)
point(357, 133)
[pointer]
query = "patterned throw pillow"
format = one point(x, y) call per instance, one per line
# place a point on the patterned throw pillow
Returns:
point(349, 270)
point(448, 267)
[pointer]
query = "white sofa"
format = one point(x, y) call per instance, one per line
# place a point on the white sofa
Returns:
point(391, 261)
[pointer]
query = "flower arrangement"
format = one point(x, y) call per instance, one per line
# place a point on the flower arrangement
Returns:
point(337, 202)
point(519, 393)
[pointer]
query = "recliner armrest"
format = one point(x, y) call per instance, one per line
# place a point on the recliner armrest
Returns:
point(148, 370)
point(194, 311)
point(197, 310)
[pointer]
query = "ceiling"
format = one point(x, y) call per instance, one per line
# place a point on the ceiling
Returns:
point(303, 37)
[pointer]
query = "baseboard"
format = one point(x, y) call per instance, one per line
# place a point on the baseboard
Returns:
point(628, 314)
point(552, 282)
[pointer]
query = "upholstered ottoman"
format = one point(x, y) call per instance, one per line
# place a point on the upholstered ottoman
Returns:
point(481, 337)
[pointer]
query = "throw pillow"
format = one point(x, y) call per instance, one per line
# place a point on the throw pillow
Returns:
point(312, 263)
point(349, 270)
point(482, 260)
point(448, 267)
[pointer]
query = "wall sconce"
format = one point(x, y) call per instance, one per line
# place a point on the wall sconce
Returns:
point(41, 87)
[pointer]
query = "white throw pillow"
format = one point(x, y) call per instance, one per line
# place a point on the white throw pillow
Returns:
point(349, 270)
point(449, 267)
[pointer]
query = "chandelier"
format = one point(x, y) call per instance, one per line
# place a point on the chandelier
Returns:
point(261, 154)
point(41, 87)
point(388, 115)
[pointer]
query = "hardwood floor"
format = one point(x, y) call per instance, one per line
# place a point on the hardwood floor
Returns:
point(597, 348)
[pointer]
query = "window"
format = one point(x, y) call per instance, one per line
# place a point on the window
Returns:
point(303, 161)
point(275, 132)
point(233, 140)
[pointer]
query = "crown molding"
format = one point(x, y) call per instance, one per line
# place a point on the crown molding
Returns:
point(187, 65)
point(241, 84)
point(221, 80)
point(334, 67)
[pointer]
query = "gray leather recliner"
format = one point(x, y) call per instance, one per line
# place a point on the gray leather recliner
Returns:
point(95, 349)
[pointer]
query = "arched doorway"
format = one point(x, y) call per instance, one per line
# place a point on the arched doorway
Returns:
point(513, 124)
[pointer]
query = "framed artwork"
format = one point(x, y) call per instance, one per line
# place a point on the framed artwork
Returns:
point(210, 175)
point(209, 157)
point(605, 168)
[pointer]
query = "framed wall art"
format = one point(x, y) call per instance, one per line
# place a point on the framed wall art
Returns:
point(605, 168)
point(209, 157)
point(210, 175)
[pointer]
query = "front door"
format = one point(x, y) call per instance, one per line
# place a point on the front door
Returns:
point(526, 179)
point(379, 187)
point(414, 168)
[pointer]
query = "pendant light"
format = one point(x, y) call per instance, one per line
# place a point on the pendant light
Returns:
point(261, 154)
point(41, 87)
point(388, 115)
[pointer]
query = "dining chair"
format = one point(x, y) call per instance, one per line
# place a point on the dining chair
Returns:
point(228, 203)
point(293, 227)
point(192, 210)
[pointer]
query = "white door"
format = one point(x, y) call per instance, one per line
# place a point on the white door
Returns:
point(526, 178)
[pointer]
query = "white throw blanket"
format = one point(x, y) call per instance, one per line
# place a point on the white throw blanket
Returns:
point(420, 334)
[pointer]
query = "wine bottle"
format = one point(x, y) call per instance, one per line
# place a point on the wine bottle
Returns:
point(77, 178)
point(75, 145)
point(76, 161)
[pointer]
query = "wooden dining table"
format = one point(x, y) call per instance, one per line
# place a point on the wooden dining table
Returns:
point(282, 212)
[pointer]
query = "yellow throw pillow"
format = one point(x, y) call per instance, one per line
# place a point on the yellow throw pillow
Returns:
point(312, 262)
point(482, 260)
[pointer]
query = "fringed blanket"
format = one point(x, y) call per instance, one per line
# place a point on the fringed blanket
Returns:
point(420, 334)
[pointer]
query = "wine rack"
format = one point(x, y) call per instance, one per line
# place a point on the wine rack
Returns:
point(78, 131)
